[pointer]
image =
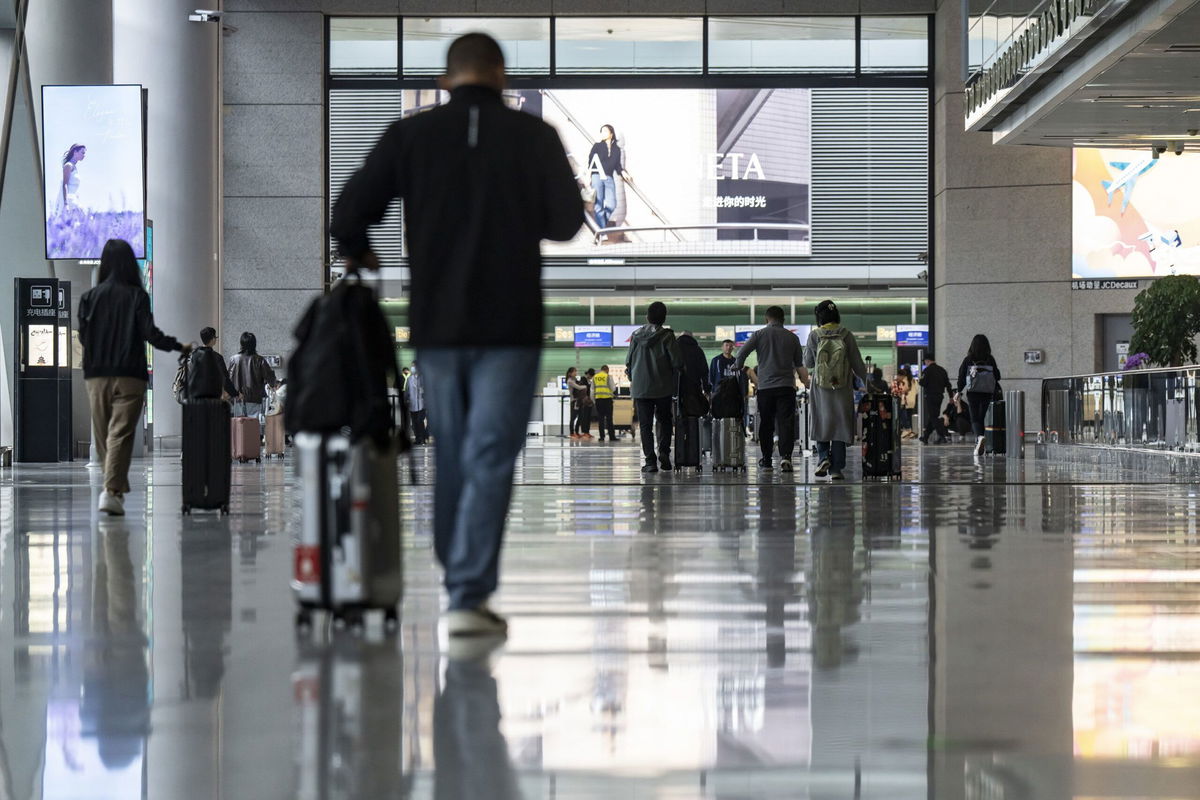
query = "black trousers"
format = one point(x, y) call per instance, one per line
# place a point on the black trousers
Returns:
point(583, 423)
point(933, 417)
point(420, 432)
point(977, 405)
point(649, 409)
point(777, 410)
point(604, 409)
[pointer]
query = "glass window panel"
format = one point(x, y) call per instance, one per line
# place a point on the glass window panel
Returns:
point(524, 40)
point(628, 45)
point(765, 45)
point(895, 44)
point(362, 46)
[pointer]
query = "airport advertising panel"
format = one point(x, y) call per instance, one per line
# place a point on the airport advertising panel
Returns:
point(1133, 214)
point(684, 172)
point(94, 172)
point(623, 333)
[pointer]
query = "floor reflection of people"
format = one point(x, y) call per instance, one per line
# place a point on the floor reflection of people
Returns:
point(115, 707)
point(470, 752)
point(776, 564)
point(206, 606)
point(834, 586)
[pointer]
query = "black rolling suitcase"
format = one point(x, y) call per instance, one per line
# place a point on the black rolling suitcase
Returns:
point(993, 427)
point(881, 437)
point(206, 457)
point(687, 441)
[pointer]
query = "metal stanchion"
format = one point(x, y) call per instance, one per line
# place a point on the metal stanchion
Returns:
point(1015, 423)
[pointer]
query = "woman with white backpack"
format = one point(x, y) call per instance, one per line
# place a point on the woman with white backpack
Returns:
point(979, 384)
point(832, 356)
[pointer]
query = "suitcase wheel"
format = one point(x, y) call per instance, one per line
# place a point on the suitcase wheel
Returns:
point(186, 509)
point(258, 461)
point(225, 508)
point(303, 622)
point(391, 620)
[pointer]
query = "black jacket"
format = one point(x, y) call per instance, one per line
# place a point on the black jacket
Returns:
point(935, 382)
point(482, 186)
point(115, 324)
point(966, 365)
point(610, 160)
point(693, 378)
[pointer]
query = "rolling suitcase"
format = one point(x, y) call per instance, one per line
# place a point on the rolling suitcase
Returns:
point(687, 441)
point(881, 437)
point(802, 423)
point(347, 559)
point(993, 428)
point(275, 436)
point(706, 435)
point(729, 444)
point(205, 455)
point(244, 437)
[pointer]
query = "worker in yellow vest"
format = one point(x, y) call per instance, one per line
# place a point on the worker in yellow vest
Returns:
point(602, 393)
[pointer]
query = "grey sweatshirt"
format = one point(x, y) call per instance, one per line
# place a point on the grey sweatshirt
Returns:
point(779, 354)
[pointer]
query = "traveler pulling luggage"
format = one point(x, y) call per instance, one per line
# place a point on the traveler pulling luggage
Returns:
point(881, 437)
point(348, 558)
point(994, 423)
point(206, 459)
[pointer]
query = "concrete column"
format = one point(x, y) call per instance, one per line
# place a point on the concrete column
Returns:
point(177, 61)
point(1002, 236)
point(70, 41)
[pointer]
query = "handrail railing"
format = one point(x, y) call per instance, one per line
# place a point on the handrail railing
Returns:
point(1156, 409)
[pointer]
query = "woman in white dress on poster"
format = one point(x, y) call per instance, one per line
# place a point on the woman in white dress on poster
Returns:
point(68, 196)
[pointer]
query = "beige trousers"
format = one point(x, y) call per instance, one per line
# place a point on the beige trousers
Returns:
point(116, 407)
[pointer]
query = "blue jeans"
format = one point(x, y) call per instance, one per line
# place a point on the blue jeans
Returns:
point(478, 399)
point(606, 198)
point(835, 452)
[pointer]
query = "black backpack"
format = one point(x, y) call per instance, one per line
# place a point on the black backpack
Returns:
point(205, 377)
point(727, 399)
point(338, 374)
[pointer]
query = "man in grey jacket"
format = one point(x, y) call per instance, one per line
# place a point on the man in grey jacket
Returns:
point(653, 364)
point(780, 361)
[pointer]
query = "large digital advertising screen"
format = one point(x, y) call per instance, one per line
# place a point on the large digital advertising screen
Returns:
point(699, 172)
point(1134, 215)
point(94, 171)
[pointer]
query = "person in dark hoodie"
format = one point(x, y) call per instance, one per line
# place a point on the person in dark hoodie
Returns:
point(115, 324)
point(652, 363)
point(694, 386)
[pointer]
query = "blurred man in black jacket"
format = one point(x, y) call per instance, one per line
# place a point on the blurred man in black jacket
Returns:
point(482, 186)
point(935, 382)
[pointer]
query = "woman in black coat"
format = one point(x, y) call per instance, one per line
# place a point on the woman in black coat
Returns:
point(979, 383)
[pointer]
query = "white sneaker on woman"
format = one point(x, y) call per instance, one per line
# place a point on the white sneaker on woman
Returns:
point(979, 445)
point(479, 621)
point(111, 504)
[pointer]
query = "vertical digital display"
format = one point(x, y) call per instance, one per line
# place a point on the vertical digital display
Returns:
point(94, 169)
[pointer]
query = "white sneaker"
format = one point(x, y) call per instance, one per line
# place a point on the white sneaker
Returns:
point(979, 445)
point(111, 504)
point(481, 621)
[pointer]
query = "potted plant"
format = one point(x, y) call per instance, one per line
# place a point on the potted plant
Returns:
point(1166, 319)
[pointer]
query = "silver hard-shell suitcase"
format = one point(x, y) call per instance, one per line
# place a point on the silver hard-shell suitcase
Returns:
point(729, 444)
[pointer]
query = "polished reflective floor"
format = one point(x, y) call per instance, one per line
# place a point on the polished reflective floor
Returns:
point(984, 629)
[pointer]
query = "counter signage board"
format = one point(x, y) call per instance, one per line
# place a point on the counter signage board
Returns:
point(912, 336)
point(593, 336)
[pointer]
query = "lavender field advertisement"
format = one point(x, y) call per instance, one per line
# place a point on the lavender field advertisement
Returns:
point(94, 169)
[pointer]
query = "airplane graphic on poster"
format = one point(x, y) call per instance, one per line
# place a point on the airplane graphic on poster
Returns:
point(1127, 179)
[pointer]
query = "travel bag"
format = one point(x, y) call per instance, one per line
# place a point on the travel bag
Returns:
point(245, 437)
point(206, 459)
point(993, 428)
point(275, 436)
point(347, 558)
point(687, 441)
point(729, 445)
point(706, 434)
point(881, 437)
point(803, 423)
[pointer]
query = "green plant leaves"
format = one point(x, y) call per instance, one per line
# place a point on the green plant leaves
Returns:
point(1166, 319)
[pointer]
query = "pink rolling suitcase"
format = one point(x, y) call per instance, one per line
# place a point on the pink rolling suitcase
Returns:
point(244, 436)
